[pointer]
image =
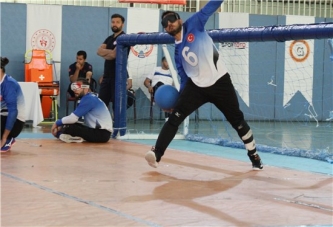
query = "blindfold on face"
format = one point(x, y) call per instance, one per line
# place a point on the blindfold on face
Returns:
point(78, 85)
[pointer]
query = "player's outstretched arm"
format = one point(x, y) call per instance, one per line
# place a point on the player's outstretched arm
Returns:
point(210, 7)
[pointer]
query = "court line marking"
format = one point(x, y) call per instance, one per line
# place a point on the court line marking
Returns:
point(76, 199)
point(304, 204)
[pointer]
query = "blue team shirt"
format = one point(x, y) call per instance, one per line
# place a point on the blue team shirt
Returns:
point(95, 113)
point(196, 55)
point(12, 101)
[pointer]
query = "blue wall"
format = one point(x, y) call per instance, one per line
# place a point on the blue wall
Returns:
point(80, 26)
point(13, 37)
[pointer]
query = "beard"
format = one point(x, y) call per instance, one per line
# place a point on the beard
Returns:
point(176, 31)
point(80, 95)
point(116, 29)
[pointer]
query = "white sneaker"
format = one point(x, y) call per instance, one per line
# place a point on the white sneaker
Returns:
point(70, 139)
point(151, 159)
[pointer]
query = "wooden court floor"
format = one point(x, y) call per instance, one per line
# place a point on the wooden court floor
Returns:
point(45, 182)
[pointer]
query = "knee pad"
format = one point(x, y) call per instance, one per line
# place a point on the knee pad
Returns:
point(176, 118)
point(245, 133)
point(242, 129)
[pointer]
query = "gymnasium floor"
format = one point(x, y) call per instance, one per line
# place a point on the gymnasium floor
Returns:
point(45, 182)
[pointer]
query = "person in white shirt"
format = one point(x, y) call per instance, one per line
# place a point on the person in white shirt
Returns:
point(204, 78)
point(160, 76)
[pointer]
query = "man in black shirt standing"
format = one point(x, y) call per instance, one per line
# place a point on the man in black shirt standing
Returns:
point(108, 51)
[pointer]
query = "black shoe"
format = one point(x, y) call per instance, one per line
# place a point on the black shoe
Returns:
point(256, 161)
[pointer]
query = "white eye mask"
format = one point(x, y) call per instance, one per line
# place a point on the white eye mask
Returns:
point(75, 86)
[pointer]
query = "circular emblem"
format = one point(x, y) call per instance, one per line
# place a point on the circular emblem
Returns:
point(142, 51)
point(190, 38)
point(43, 39)
point(299, 50)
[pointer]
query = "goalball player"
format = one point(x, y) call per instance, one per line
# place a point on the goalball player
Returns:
point(204, 78)
point(97, 126)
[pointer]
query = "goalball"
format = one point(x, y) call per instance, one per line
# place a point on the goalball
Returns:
point(166, 97)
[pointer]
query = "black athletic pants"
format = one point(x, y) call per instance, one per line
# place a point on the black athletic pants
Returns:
point(16, 130)
point(222, 94)
point(107, 90)
point(107, 93)
point(88, 134)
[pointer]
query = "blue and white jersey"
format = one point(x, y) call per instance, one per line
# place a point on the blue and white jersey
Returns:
point(12, 101)
point(95, 113)
point(160, 75)
point(196, 55)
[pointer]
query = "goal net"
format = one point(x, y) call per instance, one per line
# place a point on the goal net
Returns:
point(282, 75)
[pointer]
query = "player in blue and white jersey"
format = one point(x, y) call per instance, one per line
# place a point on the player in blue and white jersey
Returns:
point(12, 108)
point(204, 78)
point(97, 126)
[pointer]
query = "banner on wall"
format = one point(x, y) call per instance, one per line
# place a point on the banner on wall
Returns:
point(235, 55)
point(298, 74)
point(142, 58)
point(44, 31)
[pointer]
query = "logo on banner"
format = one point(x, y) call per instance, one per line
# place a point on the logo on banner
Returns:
point(43, 39)
point(299, 50)
point(142, 51)
point(236, 45)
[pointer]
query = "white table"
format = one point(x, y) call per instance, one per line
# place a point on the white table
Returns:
point(33, 107)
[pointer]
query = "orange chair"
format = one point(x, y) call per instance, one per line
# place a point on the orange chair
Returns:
point(40, 71)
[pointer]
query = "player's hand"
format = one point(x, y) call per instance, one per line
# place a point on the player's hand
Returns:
point(78, 66)
point(55, 129)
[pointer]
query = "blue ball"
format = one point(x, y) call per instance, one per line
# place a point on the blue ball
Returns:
point(166, 97)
